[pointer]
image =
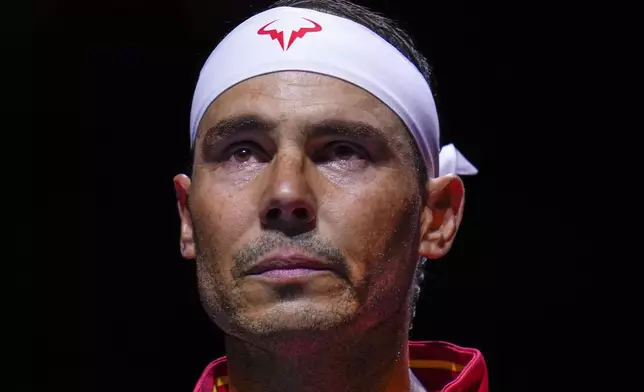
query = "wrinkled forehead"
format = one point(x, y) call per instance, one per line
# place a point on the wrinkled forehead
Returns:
point(302, 97)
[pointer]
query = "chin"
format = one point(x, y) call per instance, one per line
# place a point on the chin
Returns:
point(299, 315)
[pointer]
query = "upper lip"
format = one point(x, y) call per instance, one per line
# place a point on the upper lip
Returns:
point(291, 258)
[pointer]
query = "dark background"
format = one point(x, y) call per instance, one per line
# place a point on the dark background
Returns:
point(115, 81)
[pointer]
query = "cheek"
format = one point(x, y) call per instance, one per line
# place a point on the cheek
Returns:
point(223, 218)
point(376, 226)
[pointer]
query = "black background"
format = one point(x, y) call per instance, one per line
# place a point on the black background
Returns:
point(114, 86)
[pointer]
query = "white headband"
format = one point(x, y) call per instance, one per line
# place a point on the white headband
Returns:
point(297, 39)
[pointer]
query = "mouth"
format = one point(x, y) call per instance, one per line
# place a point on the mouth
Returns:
point(291, 263)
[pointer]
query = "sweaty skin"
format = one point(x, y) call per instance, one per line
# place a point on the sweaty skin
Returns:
point(296, 160)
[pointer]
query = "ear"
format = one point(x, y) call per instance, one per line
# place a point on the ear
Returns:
point(186, 240)
point(441, 215)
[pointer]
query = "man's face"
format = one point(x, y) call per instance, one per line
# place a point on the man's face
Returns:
point(304, 207)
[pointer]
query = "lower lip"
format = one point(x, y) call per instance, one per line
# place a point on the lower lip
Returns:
point(291, 273)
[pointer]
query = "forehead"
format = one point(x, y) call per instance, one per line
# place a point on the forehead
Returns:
point(306, 96)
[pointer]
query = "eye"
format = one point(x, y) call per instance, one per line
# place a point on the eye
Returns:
point(242, 153)
point(345, 152)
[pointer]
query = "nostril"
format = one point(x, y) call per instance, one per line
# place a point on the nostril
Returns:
point(301, 214)
point(273, 214)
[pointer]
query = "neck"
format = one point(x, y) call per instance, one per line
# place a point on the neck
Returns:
point(374, 361)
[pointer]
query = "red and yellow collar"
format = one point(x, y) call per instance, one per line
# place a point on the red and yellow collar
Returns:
point(439, 366)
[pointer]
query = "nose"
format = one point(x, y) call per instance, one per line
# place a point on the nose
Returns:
point(295, 212)
point(288, 204)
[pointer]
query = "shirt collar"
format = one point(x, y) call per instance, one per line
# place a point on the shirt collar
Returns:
point(439, 366)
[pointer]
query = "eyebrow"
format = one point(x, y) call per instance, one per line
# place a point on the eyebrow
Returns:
point(232, 125)
point(330, 127)
point(352, 129)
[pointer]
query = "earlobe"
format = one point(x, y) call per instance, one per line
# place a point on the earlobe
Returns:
point(441, 216)
point(186, 240)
